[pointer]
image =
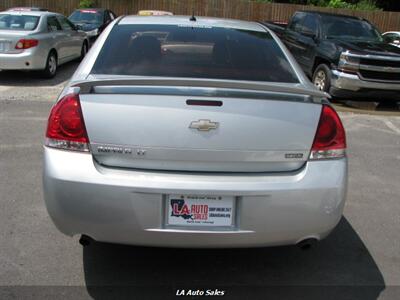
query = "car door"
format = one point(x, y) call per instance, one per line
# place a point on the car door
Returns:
point(307, 41)
point(292, 33)
point(72, 42)
point(392, 38)
point(107, 19)
point(77, 37)
point(58, 37)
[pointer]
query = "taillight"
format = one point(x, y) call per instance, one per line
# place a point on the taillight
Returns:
point(26, 44)
point(66, 128)
point(330, 139)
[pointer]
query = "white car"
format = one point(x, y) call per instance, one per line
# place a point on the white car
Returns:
point(392, 37)
point(193, 132)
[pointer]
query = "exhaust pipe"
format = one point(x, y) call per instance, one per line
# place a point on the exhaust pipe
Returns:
point(307, 243)
point(85, 240)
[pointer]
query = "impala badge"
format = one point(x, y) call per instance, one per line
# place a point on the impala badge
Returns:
point(204, 125)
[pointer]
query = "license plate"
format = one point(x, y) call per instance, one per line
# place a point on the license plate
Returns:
point(204, 211)
point(4, 46)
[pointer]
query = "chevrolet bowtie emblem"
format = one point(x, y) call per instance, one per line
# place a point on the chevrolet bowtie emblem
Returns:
point(204, 125)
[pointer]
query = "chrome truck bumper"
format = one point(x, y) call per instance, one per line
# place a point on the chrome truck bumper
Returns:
point(344, 85)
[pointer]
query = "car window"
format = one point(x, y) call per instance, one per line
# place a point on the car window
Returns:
point(388, 38)
point(396, 39)
point(310, 24)
point(65, 24)
point(53, 24)
point(177, 51)
point(18, 22)
point(391, 37)
point(86, 16)
point(296, 22)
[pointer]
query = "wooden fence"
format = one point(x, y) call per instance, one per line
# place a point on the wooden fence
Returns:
point(236, 9)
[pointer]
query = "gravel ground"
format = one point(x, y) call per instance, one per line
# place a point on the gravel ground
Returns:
point(31, 86)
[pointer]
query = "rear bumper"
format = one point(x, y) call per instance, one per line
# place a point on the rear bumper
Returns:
point(126, 207)
point(30, 59)
point(344, 85)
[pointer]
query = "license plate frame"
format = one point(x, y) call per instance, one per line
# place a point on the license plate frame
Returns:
point(213, 218)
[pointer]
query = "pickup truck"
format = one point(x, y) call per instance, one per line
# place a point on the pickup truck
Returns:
point(343, 55)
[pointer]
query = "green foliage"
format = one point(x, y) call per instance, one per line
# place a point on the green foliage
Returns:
point(360, 5)
point(86, 3)
point(317, 2)
point(367, 5)
point(339, 4)
point(349, 4)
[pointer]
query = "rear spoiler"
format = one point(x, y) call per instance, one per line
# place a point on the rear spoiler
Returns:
point(211, 87)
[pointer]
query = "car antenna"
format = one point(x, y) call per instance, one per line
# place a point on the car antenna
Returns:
point(193, 18)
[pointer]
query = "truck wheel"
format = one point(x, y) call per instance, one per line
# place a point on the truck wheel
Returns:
point(322, 78)
point(51, 66)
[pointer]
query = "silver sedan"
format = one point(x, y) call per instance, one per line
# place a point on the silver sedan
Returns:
point(193, 132)
point(38, 40)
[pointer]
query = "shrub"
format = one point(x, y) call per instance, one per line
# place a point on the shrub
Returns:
point(86, 4)
point(367, 5)
point(339, 4)
point(359, 5)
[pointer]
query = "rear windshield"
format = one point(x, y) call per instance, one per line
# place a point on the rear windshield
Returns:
point(177, 51)
point(18, 22)
point(86, 16)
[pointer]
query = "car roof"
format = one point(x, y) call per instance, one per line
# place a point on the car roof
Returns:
point(27, 8)
point(396, 32)
point(28, 13)
point(91, 9)
point(322, 13)
point(185, 21)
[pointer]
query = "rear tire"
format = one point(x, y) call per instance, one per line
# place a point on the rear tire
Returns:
point(51, 66)
point(322, 78)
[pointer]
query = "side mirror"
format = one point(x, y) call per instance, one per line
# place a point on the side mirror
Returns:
point(310, 34)
point(78, 27)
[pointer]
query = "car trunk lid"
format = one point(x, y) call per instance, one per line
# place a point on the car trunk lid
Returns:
point(130, 127)
point(9, 39)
